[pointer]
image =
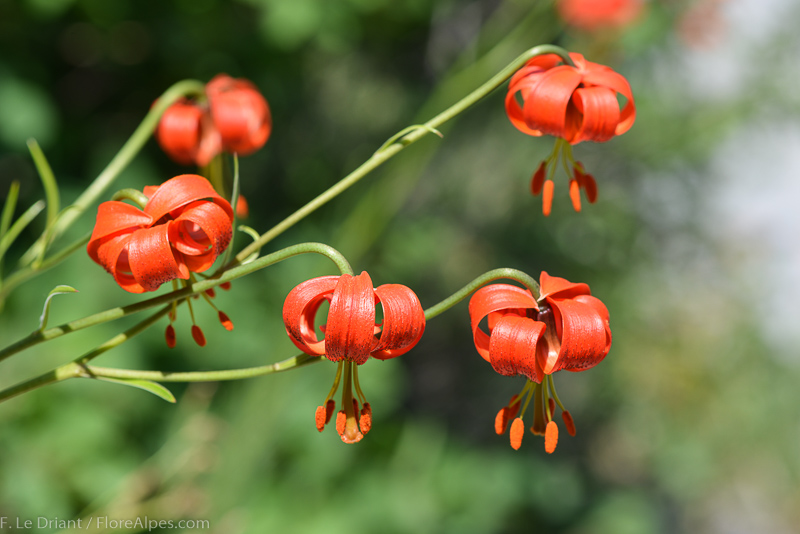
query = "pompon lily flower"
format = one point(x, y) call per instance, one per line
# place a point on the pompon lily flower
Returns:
point(594, 15)
point(234, 118)
point(566, 328)
point(352, 336)
point(573, 104)
point(183, 227)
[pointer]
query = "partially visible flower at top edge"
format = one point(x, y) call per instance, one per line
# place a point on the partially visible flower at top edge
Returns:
point(566, 329)
point(234, 118)
point(594, 15)
point(573, 104)
point(183, 227)
point(352, 335)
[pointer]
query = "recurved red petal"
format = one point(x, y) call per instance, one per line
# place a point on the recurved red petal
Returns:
point(603, 76)
point(512, 347)
point(202, 227)
point(582, 332)
point(179, 191)
point(112, 254)
point(300, 310)
point(351, 320)
point(599, 111)
point(561, 288)
point(495, 298)
point(115, 217)
point(545, 107)
point(403, 321)
point(186, 134)
point(151, 258)
point(241, 115)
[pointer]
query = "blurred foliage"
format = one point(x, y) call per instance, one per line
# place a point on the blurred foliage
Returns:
point(690, 425)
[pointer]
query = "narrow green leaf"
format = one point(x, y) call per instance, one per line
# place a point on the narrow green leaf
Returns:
point(46, 239)
point(58, 290)
point(17, 228)
point(8, 209)
point(153, 387)
point(48, 181)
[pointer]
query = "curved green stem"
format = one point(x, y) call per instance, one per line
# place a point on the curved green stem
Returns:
point(399, 142)
point(115, 313)
point(134, 195)
point(491, 276)
point(203, 376)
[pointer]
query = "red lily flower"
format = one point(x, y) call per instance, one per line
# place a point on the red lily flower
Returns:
point(240, 113)
point(184, 226)
point(574, 104)
point(566, 328)
point(351, 336)
point(592, 15)
point(236, 118)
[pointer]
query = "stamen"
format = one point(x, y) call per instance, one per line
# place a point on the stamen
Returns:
point(170, 335)
point(198, 335)
point(538, 412)
point(568, 422)
point(210, 292)
point(365, 421)
point(225, 285)
point(516, 434)
point(575, 194)
point(330, 406)
point(320, 417)
point(348, 430)
point(505, 414)
point(551, 437)
point(547, 197)
point(225, 320)
point(538, 179)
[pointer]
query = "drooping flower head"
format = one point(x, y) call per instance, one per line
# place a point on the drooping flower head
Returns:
point(573, 103)
point(594, 15)
point(183, 227)
point(352, 335)
point(235, 117)
point(566, 329)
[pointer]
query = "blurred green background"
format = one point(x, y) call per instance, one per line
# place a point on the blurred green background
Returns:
point(690, 425)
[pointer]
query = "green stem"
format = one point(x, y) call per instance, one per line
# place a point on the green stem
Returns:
point(480, 281)
point(115, 313)
point(134, 195)
point(70, 370)
point(204, 376)
point(386, 152)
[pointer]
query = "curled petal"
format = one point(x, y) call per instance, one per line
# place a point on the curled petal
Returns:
point(351, 320)
point(512, 348)
point(112, 254)
point(555, 287)
point(115, 217)
point(151, 258)
point(177, 192)
point(300, 310)
point(603, 76)
point(240, 113)
point(545, 107)
point(186, 134)
point(403, 321)
point(201, 232)
point(599, 112)
point(495, 298)
point(582, 331)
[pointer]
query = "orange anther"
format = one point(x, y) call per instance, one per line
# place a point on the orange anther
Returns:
point(365, 422)
point(170, 335)
point(517, 431)
point(575, 194)
point(226, 322)
point(198, 336)
point(568, 422)
point(547, 197)
point(551, 437)
point(319, 418)
point(538, 179)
